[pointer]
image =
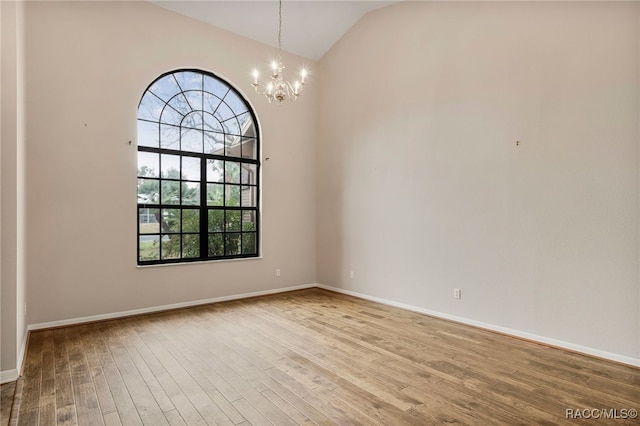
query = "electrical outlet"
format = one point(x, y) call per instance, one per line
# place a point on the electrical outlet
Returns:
point(352, 274)
point(277, 272)
point(457, 293)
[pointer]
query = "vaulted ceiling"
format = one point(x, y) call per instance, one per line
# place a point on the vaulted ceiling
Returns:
point(309, 27)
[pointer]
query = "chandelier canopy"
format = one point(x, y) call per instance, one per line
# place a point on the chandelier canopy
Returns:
point(276, 87)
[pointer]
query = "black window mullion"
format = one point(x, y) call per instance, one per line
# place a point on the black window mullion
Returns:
point(222, 100)
point(182, 92)
point(167, 104)
point(195, 154)
point(204, 213)
point(160, 205)
point(138, 234)
point(224, 198)
point(180, 234)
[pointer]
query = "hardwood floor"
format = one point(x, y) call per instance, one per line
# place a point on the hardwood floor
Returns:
point(7, 391)
point(309, 357)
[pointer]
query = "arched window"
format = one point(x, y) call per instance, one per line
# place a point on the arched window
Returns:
point(198, 171)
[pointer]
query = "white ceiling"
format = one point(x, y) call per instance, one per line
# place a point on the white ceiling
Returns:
point(309, 27)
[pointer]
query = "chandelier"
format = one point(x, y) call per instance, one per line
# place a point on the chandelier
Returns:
point(277, 88)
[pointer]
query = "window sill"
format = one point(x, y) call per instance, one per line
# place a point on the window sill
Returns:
point(201, 262)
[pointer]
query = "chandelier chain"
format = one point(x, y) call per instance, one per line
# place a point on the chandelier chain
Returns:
point(280, 26)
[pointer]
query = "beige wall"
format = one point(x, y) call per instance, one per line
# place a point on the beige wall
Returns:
point(12, 184)
point(87, 65)
point(422, 189)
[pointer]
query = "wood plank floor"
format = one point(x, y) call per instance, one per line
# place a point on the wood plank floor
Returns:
point(308, 357)
point(7, 391)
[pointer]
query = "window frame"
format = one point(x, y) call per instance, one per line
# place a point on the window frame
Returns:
point(203, 207)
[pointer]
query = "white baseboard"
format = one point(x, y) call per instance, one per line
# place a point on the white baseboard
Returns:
point(102, 317)
point(511, 332)
point(12, 375)
point(9, 376)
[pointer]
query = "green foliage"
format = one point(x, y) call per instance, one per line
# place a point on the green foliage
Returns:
point(149, 250)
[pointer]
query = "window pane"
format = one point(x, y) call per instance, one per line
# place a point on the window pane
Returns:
point(165, 87)
point(215, 194)
point(244, 119)
point(148, 190)
point(194, 97)
point(232, 172)
point(211, 124)
point(170, 192)
point(249, 243)
point(248, 174)
point(191, 140)
point(170, 166)
point(232, 222)
point(249, 148)
point(216, 220)
point(149, 248)
point(232, 126)
point(170, 220)
point(150, 107)
point(214, 143)
point(148, 134)
point(190, 246)
point(190, 168)
point(190, 194)
point(232, 195)
point(248, 220)
point(148, 221)
point(232, 145)
point(179, 103)
point(232, 244)
point(169, 137)
point(211, 103)
point(171, 116)
point(215, 170)
point(215, 86)
point(249, 130)
point(148, 164)
point(190, 220)
point(216, 245)
point(236, 104)
point(248, 196)
point(171, 246)
point(189, 80)
point(223, 113)
point(193, 121)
